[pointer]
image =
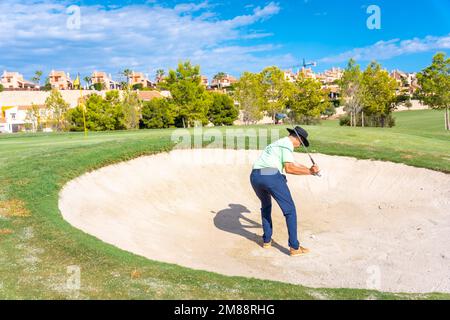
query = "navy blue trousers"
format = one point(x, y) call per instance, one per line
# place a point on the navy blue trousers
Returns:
point(269, 183)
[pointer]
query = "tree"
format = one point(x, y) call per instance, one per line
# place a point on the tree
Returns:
point(330, 110)
point(1, 87)
point(99, 86)
point(37, 77)
point(88, 81)
point(157, 113)
point(350, 85)
point(127, 74)
point(307, 101)
point(138, 86)
point(276, 90)
point(101, 113)
point(248, 93)
point(57, 108)
point(222, 110)
point(434, 83)
point(189, 96)
point(47, 86)
point(131, 105)
point(34, 116)
point(160, 73)
point(378, 92)
point(219, 77)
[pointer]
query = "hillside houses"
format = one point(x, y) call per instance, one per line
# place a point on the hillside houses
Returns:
point(105, 80)
point(60, 80)
point(407, 82)
point(138, 78)
point(223, 82)
point(15, 81)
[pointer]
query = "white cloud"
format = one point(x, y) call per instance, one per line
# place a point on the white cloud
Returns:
point(144, 37)
point(383, 50)
point(191, 7)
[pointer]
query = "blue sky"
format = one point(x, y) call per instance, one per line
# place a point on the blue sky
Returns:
point(230, 35)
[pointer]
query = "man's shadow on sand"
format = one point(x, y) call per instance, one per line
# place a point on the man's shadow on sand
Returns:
point(233, 220)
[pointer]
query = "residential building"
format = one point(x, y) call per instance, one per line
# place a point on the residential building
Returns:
point(104, 79)
point(290, 76)
point(204, 80)
point(407, 82)
point(19, 118)
point(139, 78)
point(334, 90)
point(223, 82)
point(331, 76)
point(15, 81)
point(60, 80)
point(308, 73)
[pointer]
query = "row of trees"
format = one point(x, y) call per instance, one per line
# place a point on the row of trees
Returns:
point(113, 112)
point(269, 92)
point(371, 95)
point(189, 103)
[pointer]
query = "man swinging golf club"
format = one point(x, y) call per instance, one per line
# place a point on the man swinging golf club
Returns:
point(268, 181)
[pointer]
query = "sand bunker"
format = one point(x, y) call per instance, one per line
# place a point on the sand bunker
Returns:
point(369, 224)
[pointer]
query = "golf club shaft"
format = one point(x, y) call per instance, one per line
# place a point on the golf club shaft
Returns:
point(306, 149)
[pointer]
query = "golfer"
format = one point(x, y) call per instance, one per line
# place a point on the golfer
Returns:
point(268, 181)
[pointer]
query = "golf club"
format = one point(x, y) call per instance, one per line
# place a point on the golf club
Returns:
point(312, 160)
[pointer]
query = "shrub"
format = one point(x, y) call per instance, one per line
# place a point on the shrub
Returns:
point(344, 120)
point(157, 113)
point(330, 110)
point(138, 86)
point(98, 86)
point(369, 120)
point(222, 110)
point(307, 120)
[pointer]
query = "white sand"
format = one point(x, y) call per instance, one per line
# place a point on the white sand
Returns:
point(369, 224)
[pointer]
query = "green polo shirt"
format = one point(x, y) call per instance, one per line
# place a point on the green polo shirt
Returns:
point(276, 155)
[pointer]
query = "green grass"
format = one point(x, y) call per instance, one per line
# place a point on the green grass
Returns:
point(37, 245)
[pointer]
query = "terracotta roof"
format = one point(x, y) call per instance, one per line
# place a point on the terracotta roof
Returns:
point(28, 107)
point(99, 74)
point(149, 95)
point(2, 120)
point(58, 73)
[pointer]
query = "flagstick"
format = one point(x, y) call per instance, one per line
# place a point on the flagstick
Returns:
point(83, 107)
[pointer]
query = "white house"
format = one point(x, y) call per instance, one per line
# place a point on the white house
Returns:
point(12, 120)
point(19, 118)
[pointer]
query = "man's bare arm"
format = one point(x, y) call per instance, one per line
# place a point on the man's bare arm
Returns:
point(298, 169)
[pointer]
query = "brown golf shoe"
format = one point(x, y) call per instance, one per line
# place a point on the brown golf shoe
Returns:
point(298, 252)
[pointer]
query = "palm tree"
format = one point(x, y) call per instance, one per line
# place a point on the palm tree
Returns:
point(220, 76)
point(127, 74)
point(160, 74)
point(37, 77)
point(88, 80)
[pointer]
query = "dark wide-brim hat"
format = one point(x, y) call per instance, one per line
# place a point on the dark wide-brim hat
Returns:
point(301, 132)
